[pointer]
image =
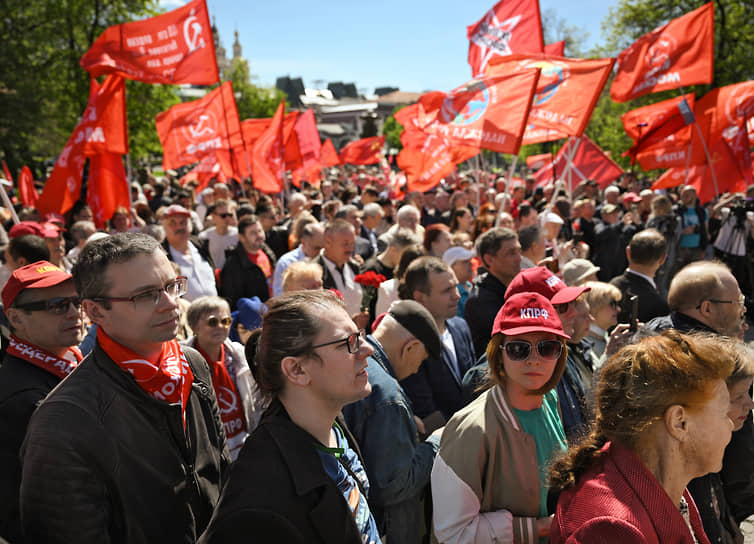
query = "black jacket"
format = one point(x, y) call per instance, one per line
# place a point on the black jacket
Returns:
point(103, 461)
point(485, 300)
point(651, 303)
point(279, 491)
point(22, 386)
point(609, 252)
point(240, 278)
point(328, 282)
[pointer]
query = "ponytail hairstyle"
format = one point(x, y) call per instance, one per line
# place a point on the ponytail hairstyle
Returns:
point(289, 328)
point(637, 386)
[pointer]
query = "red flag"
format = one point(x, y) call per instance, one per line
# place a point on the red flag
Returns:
point(489, 112)
point(254, 128)
point(737, 141)
point(661, 124)
point(726, 107)
point(364, 151)
point(328, 155)
point(102, 129)
point(192, 130)
point(727, 173)
point(535, 162)
point(267, 156)
point(428, 158)
point(536, 134)
point(567, 91)
point(209, 167)
point(511, 26)
point(678, 53)
point(589, 162)
point(27, 193)
point(107, 188)
point(7, 172)
point(176, 47)
point(556, 49)
point(291, 154)
point(307, 136)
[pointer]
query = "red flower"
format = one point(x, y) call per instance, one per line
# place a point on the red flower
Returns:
point(370, 279)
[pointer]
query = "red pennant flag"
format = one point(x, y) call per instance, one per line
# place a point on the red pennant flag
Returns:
point(679, 53)
point(726, 107)
point(307, 136)
point(364, 151)
point(658, 122)
point(737, 141)
point(589, 162)
point(6, 171)
point(254, 128)
point(173, 48)
point(511, 26)
point(556, 49)
point(291, 154)
point(489, 112)
point(535, 162)
point(567, 91)
point(209, 167)
point(102, 129)
point(328, 155)
point(27, 193)
point(191, 130)
point(107, 188)
point(267, 156)
point(536, 134)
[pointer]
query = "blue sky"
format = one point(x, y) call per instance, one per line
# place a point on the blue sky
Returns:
point(415, 45)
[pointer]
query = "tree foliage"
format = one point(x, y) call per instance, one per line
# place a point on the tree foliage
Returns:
point(392, 130)
point(252, 100)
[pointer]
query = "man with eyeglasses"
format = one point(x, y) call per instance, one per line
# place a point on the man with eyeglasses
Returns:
point(130, 447)
point(223, 235)
point(44, 314)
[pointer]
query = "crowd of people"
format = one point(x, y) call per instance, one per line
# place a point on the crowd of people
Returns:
point(483, 362)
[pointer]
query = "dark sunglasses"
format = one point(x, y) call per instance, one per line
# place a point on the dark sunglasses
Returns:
point(57, 306)
point(352, 341)
point(225, 215)
point(213, 321)
point(520, 350)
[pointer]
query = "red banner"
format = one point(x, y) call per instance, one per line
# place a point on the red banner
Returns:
point(328, 155)
point(191, 130)
point(567, 91)
point(7, 173)
point(107, 188)
point(588, 162)
point(267, 156)
point(428, 158)
point(364, 151)
point(678, 53)
point(102, 129)
point(556, 49)
point(176, 47)
point(488, 113)
point(511, 26)
point(659, 132)
point(535, 162)
point(27, 193)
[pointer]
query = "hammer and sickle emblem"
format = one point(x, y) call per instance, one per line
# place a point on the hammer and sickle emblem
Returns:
point(202, 127)
point(226, 400)
point(192, 33)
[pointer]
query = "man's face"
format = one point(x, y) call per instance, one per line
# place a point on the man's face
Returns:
point(538, 249)
point(463, 270)
point(141, 327)
point(312, 245)
point(582, 320)
point(354, 217)
point(530, 219)
point(372, 221)
point(177, 230)
point(728, 318)
point(252, 238)
point(587, 210)
point(223, 218)
point(409, 221)
point(443, 297)
point(51, 332)
point(506, 262)
point(120, 222)
point(568, 314)
point(268, 220)
point(339, 246)
point(56, 245)
point(688, 196)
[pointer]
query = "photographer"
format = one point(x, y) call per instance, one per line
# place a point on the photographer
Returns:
point(734, 237)
point(694, 237)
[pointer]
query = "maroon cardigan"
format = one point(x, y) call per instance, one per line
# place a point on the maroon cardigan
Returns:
point(619, 500)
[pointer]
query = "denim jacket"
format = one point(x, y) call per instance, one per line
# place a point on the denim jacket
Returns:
point(398, 465)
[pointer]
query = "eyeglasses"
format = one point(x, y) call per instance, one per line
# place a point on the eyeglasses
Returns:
point(225, 215)
point(213, 321)
point(352, 341)
point(56, 306)
point(520, 350)
point(561, 308)
point(741, 301)
point(151, 298)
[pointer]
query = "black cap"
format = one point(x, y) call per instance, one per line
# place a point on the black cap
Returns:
point(417, 320)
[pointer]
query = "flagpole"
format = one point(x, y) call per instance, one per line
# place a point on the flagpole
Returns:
point(508, 184)
point(704, 146)
point(6, 200)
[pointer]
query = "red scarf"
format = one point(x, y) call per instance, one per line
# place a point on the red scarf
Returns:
point(231, 411)
point(44, 359)
point(168, 378)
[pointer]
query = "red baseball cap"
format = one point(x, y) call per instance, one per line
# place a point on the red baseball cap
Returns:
point(32, 276)
point(527, 312)
point(176, 209)
point(540, 280)
point(27, 227)
point(631, 198)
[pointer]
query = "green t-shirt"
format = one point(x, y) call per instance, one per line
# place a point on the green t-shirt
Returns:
point(545, 426)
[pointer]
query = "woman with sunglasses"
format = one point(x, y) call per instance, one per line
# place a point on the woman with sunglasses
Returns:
point(237, 393)
point(489, 477)
point(299, 477)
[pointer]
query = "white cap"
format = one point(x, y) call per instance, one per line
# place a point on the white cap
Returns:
point(457, 253)
point(552, 217)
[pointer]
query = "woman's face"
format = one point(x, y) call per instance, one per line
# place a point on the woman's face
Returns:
point(741, 403)
point(210, 330)
point(709, 430)
point(532, 373)
point(441, 244)
point(465, 222)
point(607, 316)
